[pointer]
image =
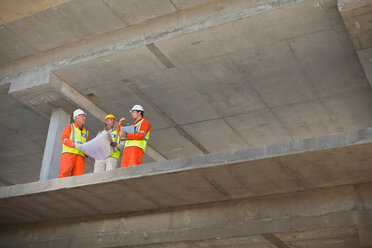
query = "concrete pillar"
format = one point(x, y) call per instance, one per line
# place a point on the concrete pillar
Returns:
point(53, 147)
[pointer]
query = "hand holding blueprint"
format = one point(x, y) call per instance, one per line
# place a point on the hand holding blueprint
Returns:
point(99, 147)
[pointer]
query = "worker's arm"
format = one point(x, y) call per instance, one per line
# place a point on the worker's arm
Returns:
point(145, 128)
point(66, 137)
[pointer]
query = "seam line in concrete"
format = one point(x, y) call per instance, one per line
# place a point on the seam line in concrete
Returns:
point(160, 55)
point(274, 240)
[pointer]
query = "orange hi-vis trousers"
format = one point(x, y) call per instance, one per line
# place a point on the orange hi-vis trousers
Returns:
point(132, 156)
point(71, 164)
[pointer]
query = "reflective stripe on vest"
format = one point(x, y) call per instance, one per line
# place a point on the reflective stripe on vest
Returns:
point(115, 138)
point(139, 143)
point(77, 136)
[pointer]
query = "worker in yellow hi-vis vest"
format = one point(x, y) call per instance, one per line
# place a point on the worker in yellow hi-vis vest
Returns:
point(112, 162)
point(135, 143)
point(72, 159)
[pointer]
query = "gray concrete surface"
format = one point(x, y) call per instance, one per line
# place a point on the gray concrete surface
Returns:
point(326, 218)
point(306, 193)
point(52, 152)
point(284, 74)
point(229, 76)
point(365, 57)
point(77, 20)
point(357, 15)
point(327, 161)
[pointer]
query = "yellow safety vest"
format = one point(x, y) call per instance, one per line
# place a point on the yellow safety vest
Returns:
point(139, 143)
point(115, 138)
point(77, 136)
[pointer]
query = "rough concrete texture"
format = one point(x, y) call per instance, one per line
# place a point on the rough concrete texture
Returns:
point(295, 218)
point(357, 15)
point(326, 161)
point(327, 217)
point(284, 74)
point(213, 76)
point(79, 20)
point(53, 146)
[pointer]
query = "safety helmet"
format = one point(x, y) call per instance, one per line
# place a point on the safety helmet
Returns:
point(109, 116)
point(78, 112)
point(138, 108)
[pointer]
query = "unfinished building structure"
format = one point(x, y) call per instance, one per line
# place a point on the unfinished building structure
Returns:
point(261, 116)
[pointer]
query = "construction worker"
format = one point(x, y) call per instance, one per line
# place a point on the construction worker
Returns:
point(72, 159)
point(111, 162)
point(135, 143)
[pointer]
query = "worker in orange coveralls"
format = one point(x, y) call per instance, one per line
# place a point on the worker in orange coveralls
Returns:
point(135, 143)
point(72, 159)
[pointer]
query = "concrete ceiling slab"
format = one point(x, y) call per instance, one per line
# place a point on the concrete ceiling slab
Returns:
point(116, 98)
point(86, 18)
point(42, 31)
point(310, 120)
point(12, 46)
point(172, 90)
point(286, 82)
point(346, 108)
point(241, 35)
point(46, 25)
point(126, 64)
point(172, 145)
point(144, 10)
point(215, 135)
point(185, 4)
point(258, 127)
point(195, 46)
point(24, 8)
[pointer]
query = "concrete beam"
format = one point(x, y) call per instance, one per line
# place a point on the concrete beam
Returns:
point(365, 57)
point(165, 27)
point(357, 15)
point(53, 147)
point(43, 90)
point(327, 161)
point(317, 209)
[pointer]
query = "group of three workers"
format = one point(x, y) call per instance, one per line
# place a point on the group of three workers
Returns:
point(73, 160)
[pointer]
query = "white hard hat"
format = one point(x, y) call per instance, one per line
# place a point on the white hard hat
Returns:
point(78, 112)
point(137, 107)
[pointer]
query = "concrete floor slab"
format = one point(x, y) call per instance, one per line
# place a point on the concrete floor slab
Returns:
point(326, 161)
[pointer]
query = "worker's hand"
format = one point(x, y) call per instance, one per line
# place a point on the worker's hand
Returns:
point(122, 120)
point(123, 134)
point(114, 144)
point(73, 144)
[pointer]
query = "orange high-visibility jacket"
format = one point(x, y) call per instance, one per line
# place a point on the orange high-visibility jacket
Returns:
point(145, 127)
point(66, 135)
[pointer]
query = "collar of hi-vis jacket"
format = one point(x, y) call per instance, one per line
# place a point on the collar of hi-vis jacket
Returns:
point(82, 127)
point(138, 121)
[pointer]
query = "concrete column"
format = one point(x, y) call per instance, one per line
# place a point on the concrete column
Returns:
point(53, 147)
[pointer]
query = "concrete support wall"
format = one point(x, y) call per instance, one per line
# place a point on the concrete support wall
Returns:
point(331, 208)
point(53, 147)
